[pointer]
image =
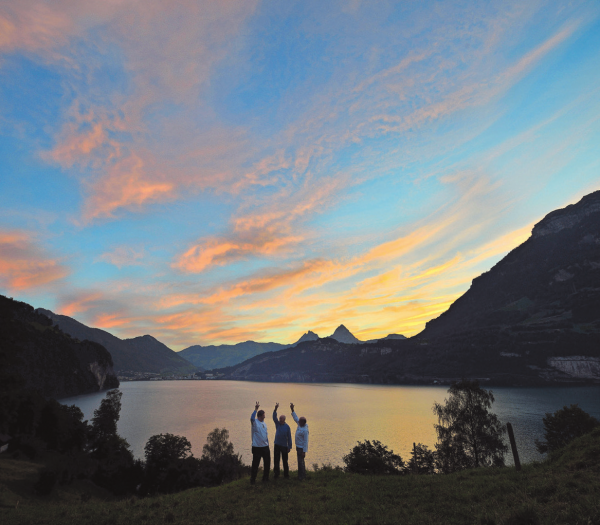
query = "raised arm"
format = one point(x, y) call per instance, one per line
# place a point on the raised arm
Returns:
point(295, 417)
point(275, 416)
point(253, 416)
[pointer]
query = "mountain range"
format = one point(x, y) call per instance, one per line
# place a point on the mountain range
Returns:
point(219, 356)
point(534, 318)
point(139, 354)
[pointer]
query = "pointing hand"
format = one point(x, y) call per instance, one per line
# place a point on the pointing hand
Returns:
point(257, 405)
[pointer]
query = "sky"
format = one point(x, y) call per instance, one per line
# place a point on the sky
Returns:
point(212, 172)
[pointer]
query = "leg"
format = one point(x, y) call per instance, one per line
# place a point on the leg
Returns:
point(266, 463)
point(286, 468)
point(276, 453)
point(255, 461)
point(301, 466)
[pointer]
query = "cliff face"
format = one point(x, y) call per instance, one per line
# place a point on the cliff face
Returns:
point(35, 355)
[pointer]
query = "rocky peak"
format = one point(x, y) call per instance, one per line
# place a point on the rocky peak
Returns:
point(308, 336)
point(343, 335)
point(567, 217)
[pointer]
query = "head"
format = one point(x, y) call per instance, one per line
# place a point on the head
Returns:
point(282, 419)
point(260, 415)
point(302, 421)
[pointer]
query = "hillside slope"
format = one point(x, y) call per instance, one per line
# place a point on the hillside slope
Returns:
point(139, 354)
point(559, 491)
point(35, 355)
point(533, 319)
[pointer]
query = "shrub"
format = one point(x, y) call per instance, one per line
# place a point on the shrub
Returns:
point(422, 460)
point(219, 462)
point(373, 458)
point(564, 426)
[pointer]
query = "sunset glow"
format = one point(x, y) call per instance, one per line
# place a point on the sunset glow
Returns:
point(215, 172)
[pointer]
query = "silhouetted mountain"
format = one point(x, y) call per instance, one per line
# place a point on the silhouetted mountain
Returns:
point(343, 335)
point(534, 318)
point(140, 354)
point(308, 336)
point(35, 355)
point(219, 356)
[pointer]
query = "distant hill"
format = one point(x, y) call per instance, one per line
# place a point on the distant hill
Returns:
point(534, 318)
point(219, 356)
point(35, 355)
point(140, 354)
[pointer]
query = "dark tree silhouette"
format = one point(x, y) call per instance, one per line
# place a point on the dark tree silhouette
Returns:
point(163, 450)
point(564, 426)
point(373, 458)
point(218, 445)
point(469, 435)
point(104, 422)
point(422, 460)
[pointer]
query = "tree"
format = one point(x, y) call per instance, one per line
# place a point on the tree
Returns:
point(104, 422)
point(164, 450)
point(219, 462)
point(422, 460)
point(218, 445)
point(469, 435)
point(373, 458)
point(564, 426)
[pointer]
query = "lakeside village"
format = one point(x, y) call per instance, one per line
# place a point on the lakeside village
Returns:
point(129, 375)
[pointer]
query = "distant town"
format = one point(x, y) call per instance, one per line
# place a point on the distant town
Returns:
point(150, 376)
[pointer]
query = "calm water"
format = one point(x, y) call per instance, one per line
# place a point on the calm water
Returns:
point(338, 415)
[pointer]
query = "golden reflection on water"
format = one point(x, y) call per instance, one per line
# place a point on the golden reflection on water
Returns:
point(338, 415)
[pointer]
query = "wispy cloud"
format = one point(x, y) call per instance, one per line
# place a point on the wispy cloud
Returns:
point(24, 265)
point(123, 256)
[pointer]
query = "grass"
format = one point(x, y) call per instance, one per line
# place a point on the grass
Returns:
point(563, 490)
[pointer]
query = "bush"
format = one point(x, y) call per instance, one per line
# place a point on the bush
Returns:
point(171, 467)
point(46, 482)
point(373, 458)
point(219, 463)
point(422, 460)
point(564, 426)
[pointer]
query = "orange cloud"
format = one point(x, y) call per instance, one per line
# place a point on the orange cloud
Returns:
point(24, 265)
point(80, 304)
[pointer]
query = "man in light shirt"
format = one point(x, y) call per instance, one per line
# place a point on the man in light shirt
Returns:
point(301, 440)
point(260, 445)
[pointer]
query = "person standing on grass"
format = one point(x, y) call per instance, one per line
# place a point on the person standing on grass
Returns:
point(260, 445)
point(283, 444)
point(301, 440)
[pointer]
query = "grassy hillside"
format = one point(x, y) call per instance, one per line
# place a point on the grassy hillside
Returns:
point(564, 490)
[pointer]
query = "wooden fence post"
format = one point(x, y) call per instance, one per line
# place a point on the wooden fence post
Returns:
point(513, 446)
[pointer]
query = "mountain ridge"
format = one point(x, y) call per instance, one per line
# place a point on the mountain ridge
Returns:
point(139, 354)
point(219, 356)
point(35, 355)
point(532, 319)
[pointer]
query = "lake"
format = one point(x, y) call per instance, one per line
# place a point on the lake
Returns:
point(338, 415)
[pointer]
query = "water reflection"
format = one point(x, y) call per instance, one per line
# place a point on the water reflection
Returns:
point(338, 415)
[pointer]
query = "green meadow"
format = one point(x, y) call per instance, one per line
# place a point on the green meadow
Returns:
point(565, 489)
